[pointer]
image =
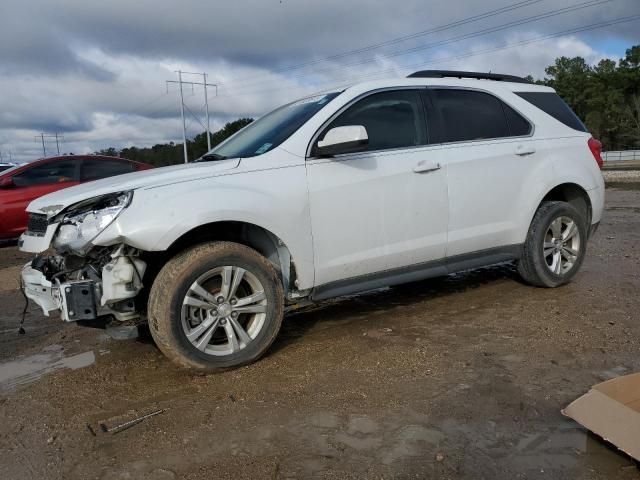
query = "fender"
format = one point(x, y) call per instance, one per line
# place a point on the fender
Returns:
point(275, 200)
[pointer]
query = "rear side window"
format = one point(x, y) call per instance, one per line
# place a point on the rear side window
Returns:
point(393, 119)
point(469, 115)
point(96, 168)
point(552, 104)
point(46, 174)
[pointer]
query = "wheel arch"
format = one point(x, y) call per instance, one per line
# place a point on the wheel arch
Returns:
point(254, 236)
point(567, 191)
point(573, 194)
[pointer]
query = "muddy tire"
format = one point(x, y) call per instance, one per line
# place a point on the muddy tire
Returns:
point(555, 245)
point(216, 305)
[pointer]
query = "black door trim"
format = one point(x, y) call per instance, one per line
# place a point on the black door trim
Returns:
point(420, 271)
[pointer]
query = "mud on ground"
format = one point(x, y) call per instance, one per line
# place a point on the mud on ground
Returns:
point(458, 377)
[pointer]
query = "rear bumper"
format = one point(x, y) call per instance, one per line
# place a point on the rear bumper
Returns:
point(593, 228)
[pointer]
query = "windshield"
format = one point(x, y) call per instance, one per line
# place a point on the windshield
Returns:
point(4, 169)
point(272, 129)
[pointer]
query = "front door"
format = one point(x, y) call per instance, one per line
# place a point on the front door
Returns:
point(383, 209)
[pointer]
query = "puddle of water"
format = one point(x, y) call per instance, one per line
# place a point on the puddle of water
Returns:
point(26, 370)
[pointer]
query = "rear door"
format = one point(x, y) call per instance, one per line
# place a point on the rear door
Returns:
point(31, 184)
point(383, 209)
point(490, 153)
point(96, 168)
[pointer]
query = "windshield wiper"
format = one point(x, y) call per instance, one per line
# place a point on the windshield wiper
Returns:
point(211, 157)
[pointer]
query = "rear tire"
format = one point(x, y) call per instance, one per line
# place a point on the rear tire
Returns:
point(214, 306)
point(555, 245)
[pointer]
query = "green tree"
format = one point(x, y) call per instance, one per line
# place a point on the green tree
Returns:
point(605, 96)
point(163, 154)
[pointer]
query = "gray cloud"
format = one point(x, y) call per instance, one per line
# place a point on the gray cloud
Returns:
point(96, 70)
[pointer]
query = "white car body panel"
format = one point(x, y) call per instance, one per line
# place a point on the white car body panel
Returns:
point(371, 212)
point(55, 202)
point(358, 214)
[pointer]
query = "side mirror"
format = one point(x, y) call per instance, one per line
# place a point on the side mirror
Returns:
point(347, 139)
point(6, 182)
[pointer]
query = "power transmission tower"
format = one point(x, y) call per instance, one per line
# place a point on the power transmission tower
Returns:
point(58, 138)
point(204, 83)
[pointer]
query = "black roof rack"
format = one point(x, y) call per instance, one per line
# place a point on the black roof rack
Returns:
point(500, 77)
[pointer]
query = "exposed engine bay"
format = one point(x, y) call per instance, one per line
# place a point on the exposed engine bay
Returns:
point(102, 282)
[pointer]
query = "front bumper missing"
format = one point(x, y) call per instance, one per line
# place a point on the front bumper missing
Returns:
point(40, 290)
point(37, 243)
point(110, 293)
point(76, 300)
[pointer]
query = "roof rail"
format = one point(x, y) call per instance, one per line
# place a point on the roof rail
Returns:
point(500, 77)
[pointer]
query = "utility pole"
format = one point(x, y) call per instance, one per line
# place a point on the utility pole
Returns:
point(42, 137)
point(206, 109)
point(184, 127)
point(57, 144)
point(206, 105)
point(44, 150)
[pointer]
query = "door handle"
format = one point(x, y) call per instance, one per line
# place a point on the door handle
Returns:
point(426, 166)
point(522, 150)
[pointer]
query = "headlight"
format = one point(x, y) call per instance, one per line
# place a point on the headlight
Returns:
point(83, 222)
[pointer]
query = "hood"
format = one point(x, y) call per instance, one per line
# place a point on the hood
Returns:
point(55, 202)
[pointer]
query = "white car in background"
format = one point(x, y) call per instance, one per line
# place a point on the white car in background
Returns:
point(379, 184)
point(6, 166)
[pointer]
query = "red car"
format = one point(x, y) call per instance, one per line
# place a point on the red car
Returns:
point(24, 183)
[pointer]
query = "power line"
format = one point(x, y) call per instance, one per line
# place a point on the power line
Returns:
point(486, 31)
point(181, 82)
point(42, 136)
point(403, 38)
point(381, 73)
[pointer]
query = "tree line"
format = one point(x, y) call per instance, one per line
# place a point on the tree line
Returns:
point(606, 96)
point(171, 153)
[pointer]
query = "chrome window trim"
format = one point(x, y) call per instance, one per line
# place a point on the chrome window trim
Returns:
point(315, 136)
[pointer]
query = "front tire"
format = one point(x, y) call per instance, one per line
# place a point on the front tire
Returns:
point(216, 305)
point(555, 246)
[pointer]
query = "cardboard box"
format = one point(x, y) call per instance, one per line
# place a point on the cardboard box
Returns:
point(612, 410)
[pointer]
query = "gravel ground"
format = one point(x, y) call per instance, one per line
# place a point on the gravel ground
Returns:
point(621, 175)
point(457, 377)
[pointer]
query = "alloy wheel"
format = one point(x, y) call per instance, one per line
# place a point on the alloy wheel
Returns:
point(224, 310)
point(562, 245)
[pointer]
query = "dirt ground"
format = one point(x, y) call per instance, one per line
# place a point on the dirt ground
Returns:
point(458, 377)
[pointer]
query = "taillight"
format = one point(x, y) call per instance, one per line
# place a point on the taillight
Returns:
point(596, 149)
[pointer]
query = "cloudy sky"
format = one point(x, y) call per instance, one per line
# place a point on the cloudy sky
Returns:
point(95, 71)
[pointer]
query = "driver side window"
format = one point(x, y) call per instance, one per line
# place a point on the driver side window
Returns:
point(47, 174)
point(393, 119)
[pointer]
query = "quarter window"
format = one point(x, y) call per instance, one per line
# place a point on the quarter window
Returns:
point(393, 119)
point(518, 125)
point(552, 104)
point(95, 168)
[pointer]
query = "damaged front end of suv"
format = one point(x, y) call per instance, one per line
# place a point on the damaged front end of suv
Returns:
point(72, 273)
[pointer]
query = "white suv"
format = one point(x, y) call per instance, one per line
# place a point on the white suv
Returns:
point(379, 184)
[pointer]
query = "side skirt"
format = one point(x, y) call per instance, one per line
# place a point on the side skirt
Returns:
point(421, 271)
